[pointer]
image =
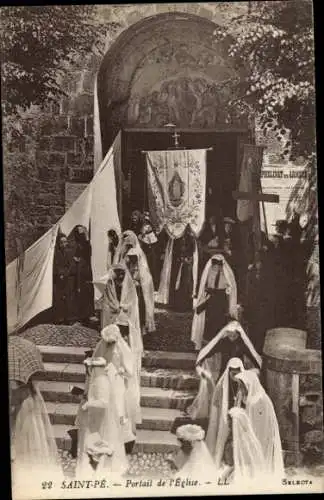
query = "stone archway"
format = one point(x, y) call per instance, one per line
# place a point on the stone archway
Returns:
point(165, 68)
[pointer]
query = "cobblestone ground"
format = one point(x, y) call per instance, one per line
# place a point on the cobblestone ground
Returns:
point(140, 464)
point(172, 333)
point(156, 465)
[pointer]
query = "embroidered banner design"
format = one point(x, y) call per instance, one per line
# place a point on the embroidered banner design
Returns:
point(176, 190)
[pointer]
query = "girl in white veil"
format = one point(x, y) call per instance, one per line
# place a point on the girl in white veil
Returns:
point(123, 310)
point(194, 460)
point(101, 448)
point(126, 379)
point(261, 413)
point(198, 323)
point(225, 396)
point(130, 249)
point(210, 361)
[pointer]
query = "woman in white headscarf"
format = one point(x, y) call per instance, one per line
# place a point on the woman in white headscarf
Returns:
point(230, 342)
point(131, 253)
point(101, 449)
point(120, 307)
point(225, 396)
point(261, 413)
point(216, 301)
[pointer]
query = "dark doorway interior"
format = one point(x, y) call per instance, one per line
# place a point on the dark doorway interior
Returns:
point(223, 163)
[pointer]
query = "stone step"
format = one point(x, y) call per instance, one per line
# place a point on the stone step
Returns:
point(63, 372)
point(150, 377)
point(152, 418)
point(147, 441)
point(150, 396)
point(151, 359)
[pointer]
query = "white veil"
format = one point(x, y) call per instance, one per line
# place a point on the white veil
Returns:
point(261, 412)
point(33, 440)
point(218, 428)
point(249, 464)
point(200, 464)
point(198, 323)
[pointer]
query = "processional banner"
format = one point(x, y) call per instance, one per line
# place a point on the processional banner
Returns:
point(250, 172)
point(176, 190)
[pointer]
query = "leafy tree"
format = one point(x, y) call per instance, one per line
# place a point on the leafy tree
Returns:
point(274, 43)
point(36, 42)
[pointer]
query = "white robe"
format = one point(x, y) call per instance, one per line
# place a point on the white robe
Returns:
point(124, 312)
point(198, 323)
point(209, 369)
point(146, 280)
point(264, 422)
point(199, 466)
point(127, 383)
point(219, 423)
point(249, 463)
point(101, 418)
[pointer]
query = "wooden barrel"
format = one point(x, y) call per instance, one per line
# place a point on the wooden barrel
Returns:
point(285, 359)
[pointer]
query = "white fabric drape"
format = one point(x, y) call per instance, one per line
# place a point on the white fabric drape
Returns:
point(30, 281)
point(104, 215)
point(78, 213)
point(198, 323)
point(97, 129)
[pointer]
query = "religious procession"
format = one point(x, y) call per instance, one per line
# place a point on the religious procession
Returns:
point(165, 326)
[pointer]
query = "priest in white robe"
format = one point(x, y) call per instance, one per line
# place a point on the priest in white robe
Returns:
point(230, 342)
point(216, 301)
point(261, 413)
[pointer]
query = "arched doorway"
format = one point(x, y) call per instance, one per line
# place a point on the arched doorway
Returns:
point(166, 68)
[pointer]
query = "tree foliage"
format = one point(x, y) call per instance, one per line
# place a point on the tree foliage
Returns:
point(274, 43)
point(36, 42)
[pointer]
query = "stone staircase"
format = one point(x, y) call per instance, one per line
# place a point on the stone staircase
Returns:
point(168, 384)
